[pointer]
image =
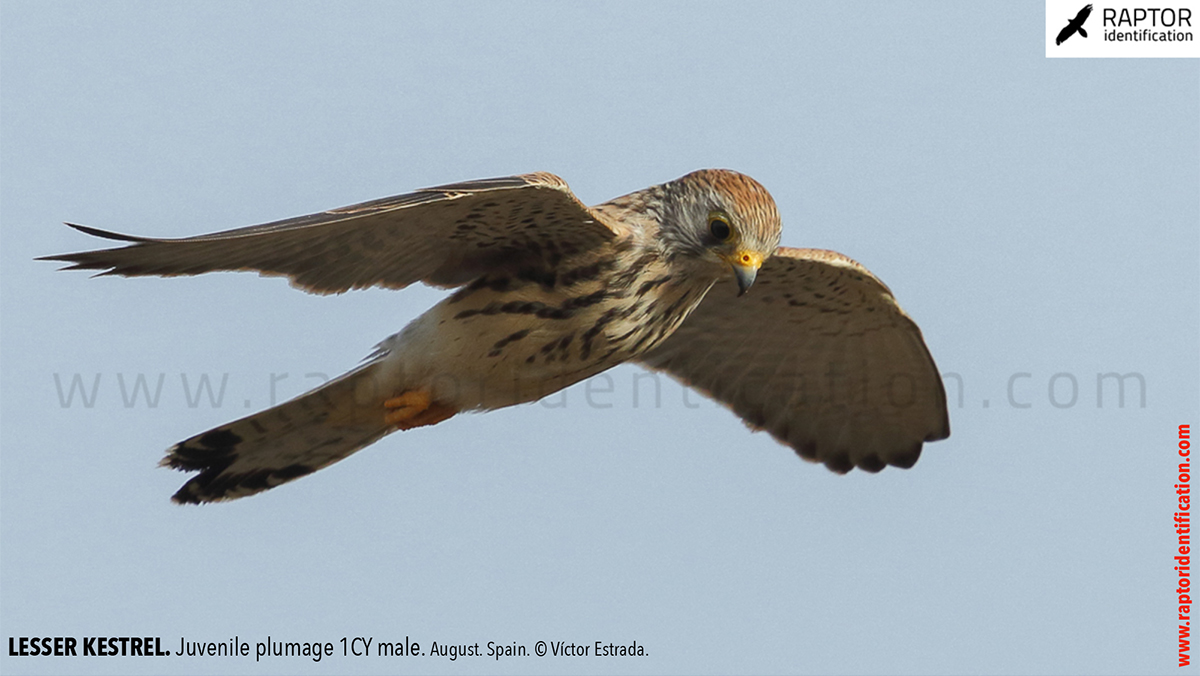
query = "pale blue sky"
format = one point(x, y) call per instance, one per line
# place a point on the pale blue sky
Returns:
point(1034, 216)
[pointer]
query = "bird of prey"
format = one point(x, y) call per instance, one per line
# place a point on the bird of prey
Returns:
point(1074, 25)
point(550, 292)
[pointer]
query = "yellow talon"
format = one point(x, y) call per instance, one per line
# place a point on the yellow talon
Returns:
point(415, 409)
point(405, 407)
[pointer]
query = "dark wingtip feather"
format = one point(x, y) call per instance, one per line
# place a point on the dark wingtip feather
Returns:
point(105, 234)
point(77, 262)
point(89, 260)
point(907, 459)
point(839, 462)
point(943, 431)
point(871, 463)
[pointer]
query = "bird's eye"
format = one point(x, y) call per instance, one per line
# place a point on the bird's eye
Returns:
point(718, 225)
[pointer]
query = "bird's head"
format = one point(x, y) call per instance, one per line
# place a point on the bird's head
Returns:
point(721, 219)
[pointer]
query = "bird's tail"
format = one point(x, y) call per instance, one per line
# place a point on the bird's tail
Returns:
point(1082, 32)
point(284, 442)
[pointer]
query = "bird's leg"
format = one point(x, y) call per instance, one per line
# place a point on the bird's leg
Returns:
point(415, 408)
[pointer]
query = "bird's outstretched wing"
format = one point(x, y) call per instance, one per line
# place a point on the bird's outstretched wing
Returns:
point(445, 236)
point(820, 355)
point(1065, 33)
point(1082, 17)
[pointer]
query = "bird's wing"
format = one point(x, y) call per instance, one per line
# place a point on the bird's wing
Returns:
point(1082, 15)
point(820, 355)
point(1065, 33)
point(445, 236)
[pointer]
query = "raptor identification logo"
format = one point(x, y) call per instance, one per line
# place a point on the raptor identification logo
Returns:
point(1079, 29)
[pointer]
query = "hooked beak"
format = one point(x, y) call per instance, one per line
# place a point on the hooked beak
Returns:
point(745, 266)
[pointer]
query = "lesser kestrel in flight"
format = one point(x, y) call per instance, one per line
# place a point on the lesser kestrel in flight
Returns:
point(550, 292)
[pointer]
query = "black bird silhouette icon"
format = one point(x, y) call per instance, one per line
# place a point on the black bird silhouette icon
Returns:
point(1074, 25)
